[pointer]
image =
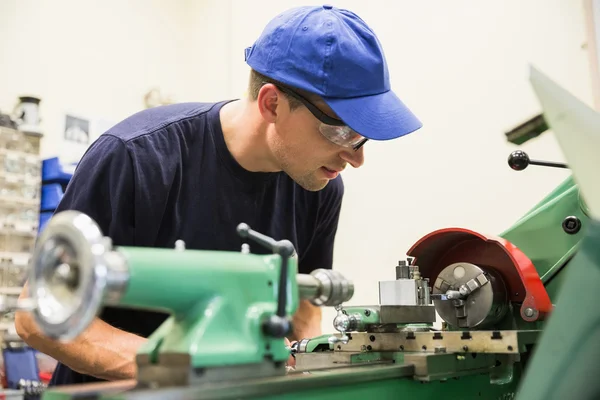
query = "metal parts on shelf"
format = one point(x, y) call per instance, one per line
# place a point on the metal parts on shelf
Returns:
point(30, 387)
point(12, 303)
point(20, 181)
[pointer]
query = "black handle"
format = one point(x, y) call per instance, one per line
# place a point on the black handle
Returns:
point(519, 160)
point(278, 325)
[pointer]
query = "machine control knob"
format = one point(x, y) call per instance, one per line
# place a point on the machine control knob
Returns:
point(571, 225)
point(276, 326)
point(519, 160)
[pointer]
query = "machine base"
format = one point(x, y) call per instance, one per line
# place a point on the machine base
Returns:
point(356, 382)
point(174, 369)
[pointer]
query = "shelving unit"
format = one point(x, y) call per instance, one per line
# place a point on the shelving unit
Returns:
point(20, 187)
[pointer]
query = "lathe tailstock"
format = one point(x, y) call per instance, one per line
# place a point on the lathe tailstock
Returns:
point(229, 311)
point(512, 319)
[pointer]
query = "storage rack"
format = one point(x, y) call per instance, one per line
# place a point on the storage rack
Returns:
point(20, 182)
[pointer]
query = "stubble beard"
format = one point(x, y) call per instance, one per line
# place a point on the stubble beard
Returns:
point(308, 180)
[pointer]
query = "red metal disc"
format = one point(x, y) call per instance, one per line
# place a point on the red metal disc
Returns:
point(438, 249)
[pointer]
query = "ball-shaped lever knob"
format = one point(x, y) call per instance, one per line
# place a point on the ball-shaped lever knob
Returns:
point(243, 230)
point(276, 326)
point(518, 160)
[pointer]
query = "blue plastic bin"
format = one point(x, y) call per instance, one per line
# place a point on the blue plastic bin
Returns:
point(20, 363)
point(51, 195)
point(44, 218)
point(55, 172)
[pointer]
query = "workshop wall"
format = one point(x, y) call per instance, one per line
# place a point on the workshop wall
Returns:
point(93, 60)
point(462, 66)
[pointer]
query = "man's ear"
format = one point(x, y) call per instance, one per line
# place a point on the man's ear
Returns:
point(269, 102)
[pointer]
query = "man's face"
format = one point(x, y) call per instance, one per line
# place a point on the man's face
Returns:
point(303, 151)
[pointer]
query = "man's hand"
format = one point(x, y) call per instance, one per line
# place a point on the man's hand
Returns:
point(307, 324)
point(291, 362)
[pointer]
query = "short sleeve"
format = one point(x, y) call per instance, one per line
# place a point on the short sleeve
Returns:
point(320, 252)
point(102, 187)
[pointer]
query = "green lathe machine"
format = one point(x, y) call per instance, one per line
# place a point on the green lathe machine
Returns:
point(519, 318)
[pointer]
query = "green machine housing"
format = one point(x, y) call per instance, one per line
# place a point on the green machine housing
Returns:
point(230, 311)
point(509, 306)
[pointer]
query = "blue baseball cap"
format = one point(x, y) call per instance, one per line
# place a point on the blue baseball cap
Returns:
point(332, 53)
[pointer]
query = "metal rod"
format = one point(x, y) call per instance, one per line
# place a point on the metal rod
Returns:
point(548, 164)
point(282, 295)
point(309, 287)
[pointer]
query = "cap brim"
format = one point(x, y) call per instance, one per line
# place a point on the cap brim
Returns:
point(377, 117)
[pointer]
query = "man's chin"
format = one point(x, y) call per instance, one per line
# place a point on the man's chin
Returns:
point(315, 186)
point(311, 183)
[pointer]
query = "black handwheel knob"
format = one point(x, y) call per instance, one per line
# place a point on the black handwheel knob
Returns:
point(277, 327)
point(571, 225)
point(518, 160)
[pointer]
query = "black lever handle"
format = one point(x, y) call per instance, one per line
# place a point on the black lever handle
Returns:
point(278, 325)
point(519, 160)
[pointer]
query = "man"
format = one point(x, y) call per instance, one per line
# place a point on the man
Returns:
point(318, 91)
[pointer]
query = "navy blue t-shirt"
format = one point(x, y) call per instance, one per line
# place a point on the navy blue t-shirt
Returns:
point(166, 174)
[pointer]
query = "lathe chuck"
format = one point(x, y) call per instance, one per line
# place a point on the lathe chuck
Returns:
point(468, 296)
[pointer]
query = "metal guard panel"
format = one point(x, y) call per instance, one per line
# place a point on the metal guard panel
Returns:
point(438, 249)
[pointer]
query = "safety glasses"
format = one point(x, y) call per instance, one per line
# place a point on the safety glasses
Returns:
point(335, 130)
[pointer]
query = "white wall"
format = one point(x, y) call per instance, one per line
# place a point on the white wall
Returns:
point(461, 66)
point(93, 59)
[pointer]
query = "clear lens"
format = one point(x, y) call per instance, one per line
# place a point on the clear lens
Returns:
point(341, 135)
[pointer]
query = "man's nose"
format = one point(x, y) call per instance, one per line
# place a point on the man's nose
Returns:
point(356, 158)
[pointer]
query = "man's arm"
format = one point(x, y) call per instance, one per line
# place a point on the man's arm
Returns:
point(102, 187)
point(101, 350)
point(306, 321)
